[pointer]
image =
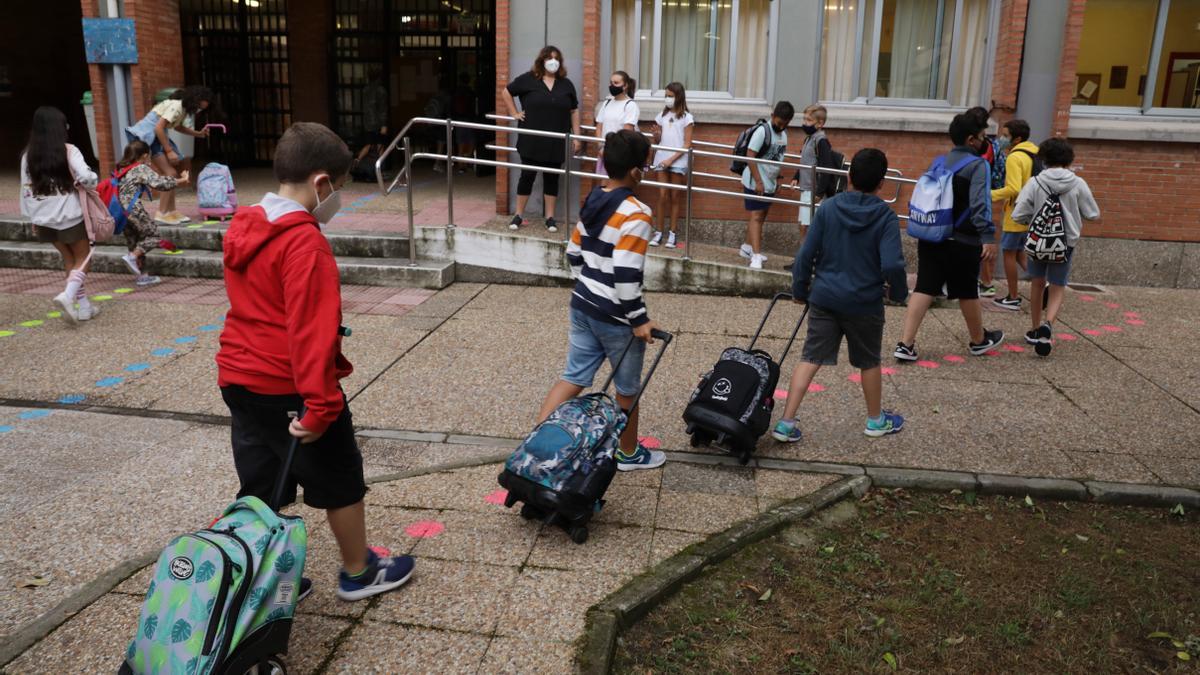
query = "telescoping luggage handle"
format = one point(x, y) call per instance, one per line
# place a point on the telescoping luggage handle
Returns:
point(281, 482)
point(763, 323)
point(657, 334)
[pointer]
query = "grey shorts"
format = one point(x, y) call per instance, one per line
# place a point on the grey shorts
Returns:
point(74, 233)
point(863, 333)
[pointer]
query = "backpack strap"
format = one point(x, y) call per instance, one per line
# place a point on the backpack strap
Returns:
point(962, 163)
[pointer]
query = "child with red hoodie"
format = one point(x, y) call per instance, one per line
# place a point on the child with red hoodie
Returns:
point(281, 351)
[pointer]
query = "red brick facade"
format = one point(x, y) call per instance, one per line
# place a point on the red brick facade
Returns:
point(502, 78)
point(160, 65)
point(1066, 70)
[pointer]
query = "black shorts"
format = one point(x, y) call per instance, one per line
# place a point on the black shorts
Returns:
point(863, 333)
point(329, 469)
point(949, 264)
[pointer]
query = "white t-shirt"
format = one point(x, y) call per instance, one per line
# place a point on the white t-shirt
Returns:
point(60, 211)
point(673, 129)
point(614, 115)
point(774, 152)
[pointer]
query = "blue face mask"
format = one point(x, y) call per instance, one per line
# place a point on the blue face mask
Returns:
point(1003, 143)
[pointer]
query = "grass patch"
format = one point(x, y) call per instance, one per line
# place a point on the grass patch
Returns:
point(943, 583)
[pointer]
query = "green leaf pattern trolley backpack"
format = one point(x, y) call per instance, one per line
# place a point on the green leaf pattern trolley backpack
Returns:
point(218, 591)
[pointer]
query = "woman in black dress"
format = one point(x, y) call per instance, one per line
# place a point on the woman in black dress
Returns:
point(548, 103)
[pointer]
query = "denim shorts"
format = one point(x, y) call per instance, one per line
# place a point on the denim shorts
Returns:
point(1056, 274)
point(144, 131)
point(753, 204)
point(1013, 241)
point(591, 341)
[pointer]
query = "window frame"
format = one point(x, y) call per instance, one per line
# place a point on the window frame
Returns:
point(655, 88)
point(993, 25)
point(1147, 109)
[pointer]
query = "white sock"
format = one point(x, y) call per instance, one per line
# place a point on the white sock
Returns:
point(82, 298)
point(75, 283)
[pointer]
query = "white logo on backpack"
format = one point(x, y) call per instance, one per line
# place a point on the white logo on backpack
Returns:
point(181, 568)
point(284, 593)
point(931, 207)
point(1047, 240)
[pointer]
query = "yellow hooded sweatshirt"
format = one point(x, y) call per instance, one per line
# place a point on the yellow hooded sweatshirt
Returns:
point(1018, 169)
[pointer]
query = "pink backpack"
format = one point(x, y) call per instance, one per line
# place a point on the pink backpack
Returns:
point(96, 216)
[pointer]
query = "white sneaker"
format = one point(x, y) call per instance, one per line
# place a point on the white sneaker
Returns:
point(748, 253)
point(67, 307)
point(131, 263)
point(89, 312)
point(180, 218)
point(756, 261)
point(654, 241)
point(671, 240)
point(147, 280)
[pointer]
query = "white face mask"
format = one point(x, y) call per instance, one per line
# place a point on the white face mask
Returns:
point(670, 102)
point(326, 209)
point(551, 65)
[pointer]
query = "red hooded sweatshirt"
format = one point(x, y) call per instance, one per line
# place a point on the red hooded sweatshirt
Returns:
point(281, 333)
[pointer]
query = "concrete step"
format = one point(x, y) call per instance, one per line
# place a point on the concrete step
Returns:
point(433, 274)
point(209, 237)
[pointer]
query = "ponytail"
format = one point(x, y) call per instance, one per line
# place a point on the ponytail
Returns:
point(630, 87)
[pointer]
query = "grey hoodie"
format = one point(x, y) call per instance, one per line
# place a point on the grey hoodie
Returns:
point(1077, 201)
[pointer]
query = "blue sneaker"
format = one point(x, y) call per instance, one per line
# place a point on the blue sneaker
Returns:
point(641, 459)
point(786, 431)
point(381, 575)
point(892, 423)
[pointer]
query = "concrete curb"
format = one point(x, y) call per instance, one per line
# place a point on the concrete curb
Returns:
point(620, 610)
point(33, 632)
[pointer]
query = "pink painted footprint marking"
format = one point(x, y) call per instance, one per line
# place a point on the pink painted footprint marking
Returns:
point(855, 377)
point(1068, 337)
point(381, 551)
point(814, 388)
point(1091, 331)
point(1132, 315)
point(1087, 298)
point(1111, 329)
point(1014, 348)
point(425, 529)
point(928, 364)
point(650, 442)
point(1135, 322)
point(781, 394)
point(496, 497)
point(1112, 305)
point(888, 371)
point(953, 358)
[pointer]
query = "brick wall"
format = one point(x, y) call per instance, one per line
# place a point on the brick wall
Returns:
point(1010, 45)
point(1145, 190)
point(590, 82)
point(1066, 70)
point(502, 79)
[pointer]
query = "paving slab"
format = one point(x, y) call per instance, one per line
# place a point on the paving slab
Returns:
point(384, 648)
point(1106, 466)
point(613, 549)
point(701, 512)
point(679, 477)
point(93, 641)
point(551, 604)
point(494, 538)
point(516, 656)
point(451, 595)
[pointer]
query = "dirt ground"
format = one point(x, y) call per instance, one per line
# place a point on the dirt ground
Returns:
point(942, 583)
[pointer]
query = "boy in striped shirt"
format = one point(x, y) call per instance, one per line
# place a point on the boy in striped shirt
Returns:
point(607, 254)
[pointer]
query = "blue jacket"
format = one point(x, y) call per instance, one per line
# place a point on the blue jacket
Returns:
point(853, 247)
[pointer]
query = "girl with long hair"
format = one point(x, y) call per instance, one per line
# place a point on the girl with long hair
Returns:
point(549, 102)
point(51, 168)
point(164, 154)
point(616, 113)
point(672, 128)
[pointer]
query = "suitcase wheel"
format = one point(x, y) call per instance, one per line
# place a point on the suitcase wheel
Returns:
point(578, 534)
point(531, 512)
point(273, 665)
point(744, 457)
point(509, 500)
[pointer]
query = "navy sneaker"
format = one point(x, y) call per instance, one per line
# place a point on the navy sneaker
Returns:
point(641, 459)
point(891, 424)
point(1045, 342)
point(905, 352)
point(381, 576)
point(787, 431)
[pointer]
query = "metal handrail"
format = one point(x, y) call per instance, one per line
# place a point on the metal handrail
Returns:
point(568, 138)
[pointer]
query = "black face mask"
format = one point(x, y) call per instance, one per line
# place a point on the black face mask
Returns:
point(778, 130)
point(809, 129)
point(982, 149)
point(615, 90)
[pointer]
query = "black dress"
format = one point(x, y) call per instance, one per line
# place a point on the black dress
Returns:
point(545, 110)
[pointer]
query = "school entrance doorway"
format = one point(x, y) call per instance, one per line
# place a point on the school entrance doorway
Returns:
point(240, 51)
point(398, 59)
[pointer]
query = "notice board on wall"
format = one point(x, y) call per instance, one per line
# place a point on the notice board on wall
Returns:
point(110, 40)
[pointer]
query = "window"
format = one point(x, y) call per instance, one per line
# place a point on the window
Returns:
point(906, 51)
point(1139, 55)
point(715, 47)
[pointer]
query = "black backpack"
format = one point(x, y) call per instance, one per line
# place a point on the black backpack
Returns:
point(1047, 240)
point(829, 184)
point(1037, 161)
point(742, 146)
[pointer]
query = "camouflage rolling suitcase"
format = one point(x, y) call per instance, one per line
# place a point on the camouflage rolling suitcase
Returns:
point(563, 467)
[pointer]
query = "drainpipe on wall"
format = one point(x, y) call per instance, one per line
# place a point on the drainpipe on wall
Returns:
point(117, 82)
point(1045, 33)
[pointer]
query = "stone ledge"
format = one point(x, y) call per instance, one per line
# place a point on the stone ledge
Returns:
point(1050, 488)
point(1142, 495)
point(923, 479)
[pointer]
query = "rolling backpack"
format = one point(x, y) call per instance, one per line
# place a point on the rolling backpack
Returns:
point(109, 191)
point(222, 598)
point(731, 406)
point(742, 146)
point(216, 196)
point(564, 466)
point(931, 207)
point(1047, 240)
